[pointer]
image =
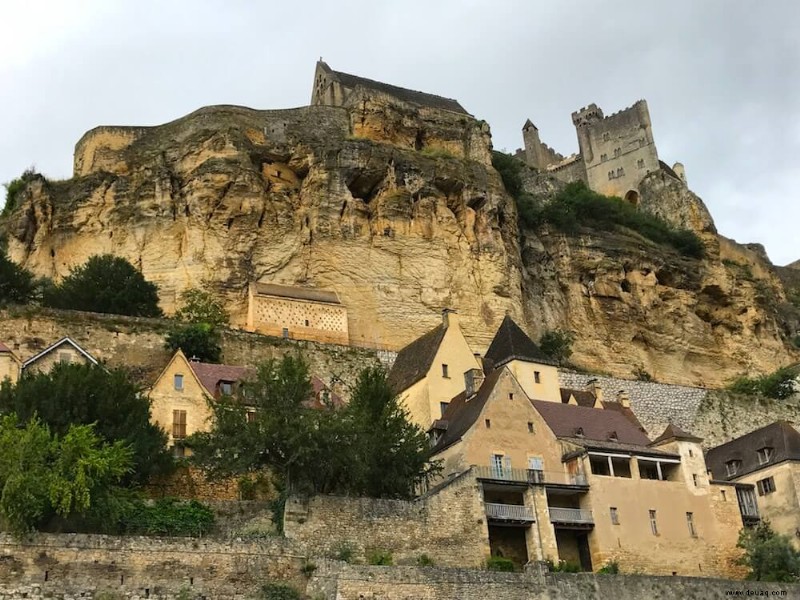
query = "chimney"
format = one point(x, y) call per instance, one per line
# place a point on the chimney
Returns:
point(473, 379)
point(449, 318)
point(594, 387)
point(623, 399)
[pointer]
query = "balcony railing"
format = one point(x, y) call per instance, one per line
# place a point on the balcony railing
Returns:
point(571, 515)
point(509, 512)
point(533, 476)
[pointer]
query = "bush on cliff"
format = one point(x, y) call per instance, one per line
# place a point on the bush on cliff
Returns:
point(367, 448)
point(14, 188)
point(17, 285)
point(197, 335)
point(105, 284)
point(43, 474)
point(557, 345)
point(769, 556)
point(779, 385)
point(75, 394)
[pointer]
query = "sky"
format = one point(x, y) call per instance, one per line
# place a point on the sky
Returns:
point(721, 77)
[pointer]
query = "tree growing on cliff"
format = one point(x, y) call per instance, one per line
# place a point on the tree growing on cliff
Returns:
point(43, 474)
point(769, 556)
point(74, 394)
point(105, 284)
point(15, 186)
point(17, 284)
point(197, 335)
point(557, 345)
point(367, 448)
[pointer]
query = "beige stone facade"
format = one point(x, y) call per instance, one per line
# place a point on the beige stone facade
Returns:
point(64, 350)
point(779, 500)
point(297, 313)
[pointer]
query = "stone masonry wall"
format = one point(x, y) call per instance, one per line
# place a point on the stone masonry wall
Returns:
point(349, 582)
point(448, 526)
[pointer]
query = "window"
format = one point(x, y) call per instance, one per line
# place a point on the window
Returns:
point(498, 463)
point(530, 427)
point(443, 407)
point(640, 163)
point(579, 431)
point(537, 377)
point(178, 382)
point(610, 175)
point(251, 416)
point(765, 455)
point(603, 157)
point(510, 395)
point(445, 371)
point(724, 496)
point(488, 423)
point(614, 515)
point(691, 454)
point(617, 152)
point(690, 524)
point(732, 467)
point(653, 523)
point(226, 387)
point(694, 479)
point(64, 357)
point(178, 451)
point(285, 333)
point(178, 424)
point(765, 486)
point(605, 136)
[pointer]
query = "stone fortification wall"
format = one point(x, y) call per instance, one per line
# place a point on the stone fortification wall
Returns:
point(348, 582)
point(448, 526)
point(94, 566)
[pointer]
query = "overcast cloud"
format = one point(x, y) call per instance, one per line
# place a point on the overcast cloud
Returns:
point(721, 77)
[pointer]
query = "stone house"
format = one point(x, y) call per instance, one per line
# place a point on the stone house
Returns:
point(429, 371)
point(765, 466)
point(65, 350)
point(577, 480)
point(10, 365)
point(295, 312)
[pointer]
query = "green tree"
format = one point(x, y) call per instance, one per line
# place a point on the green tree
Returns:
point(196, 340)
point(105, 284)
point(199, 306)
point(42, 475)
point(15, 186)
point(73, 394)
point(769, 556)
point(557, 345)
point(17, 285)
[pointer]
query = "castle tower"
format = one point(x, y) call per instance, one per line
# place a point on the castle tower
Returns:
point(533, 146)
point(583, 120)
point(680, 171)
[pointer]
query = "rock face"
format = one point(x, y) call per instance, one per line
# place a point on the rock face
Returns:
point(398, 209)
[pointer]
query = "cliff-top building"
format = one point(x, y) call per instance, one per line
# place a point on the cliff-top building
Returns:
point(614, 153)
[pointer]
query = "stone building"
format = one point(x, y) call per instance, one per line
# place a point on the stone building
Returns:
point(10, 365)
point(565, 474)
point(429, 371)
point(614, 153)
point(765, 465)
point(65, 350)
point(295, 312)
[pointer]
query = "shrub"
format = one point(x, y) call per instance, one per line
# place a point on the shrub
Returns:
point(423, 560)
point(769, 556)
point(106, 284)
point(498, 563)
point(433, 152)
point(610, 568)
point(778, 385)
point(17, 285)
point(15, 186)
point(308, 568)
point(641, 374)
point(563, 566)
point(168, 517)
point(380, 557)
point(343, 551)
point(557, 345)
point(278, 591)
point(199, 306)
point(195, 340)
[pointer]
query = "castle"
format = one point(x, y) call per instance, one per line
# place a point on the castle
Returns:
point(615, 152)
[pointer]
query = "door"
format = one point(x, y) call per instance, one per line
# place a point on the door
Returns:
point(584, 553)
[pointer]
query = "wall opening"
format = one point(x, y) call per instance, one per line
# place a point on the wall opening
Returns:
point(632, 197)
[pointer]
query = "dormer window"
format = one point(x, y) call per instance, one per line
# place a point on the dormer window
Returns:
point(765, 455)
point(226, 387)
point(612, 437)
point(733, 467)
point(579, 432)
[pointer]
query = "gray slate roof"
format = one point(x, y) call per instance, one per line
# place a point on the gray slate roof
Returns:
point(414, 361)
point(297, 292)
point(406, 95)
point(780, 436)
point(511, 343)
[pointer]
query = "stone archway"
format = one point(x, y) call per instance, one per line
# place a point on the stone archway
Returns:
point(632, 197)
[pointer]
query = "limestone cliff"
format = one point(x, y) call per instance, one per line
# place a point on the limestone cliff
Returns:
point(398, 209)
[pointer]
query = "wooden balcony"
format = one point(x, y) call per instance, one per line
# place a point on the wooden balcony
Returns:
point(512, 513)
point(531, 476)
point(571, 517)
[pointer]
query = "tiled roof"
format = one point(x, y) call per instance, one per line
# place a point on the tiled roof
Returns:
point(334, 400)
point(781, 436)
point(4, 349)
point(422, 98)
point(582, 397)
point(414, 361)
point(297, 292)
point(623, 410)
point(210, 375)
point(511, 343)
point(597, 425)
point(610, 446)
point(676, 433)
point(461, 414)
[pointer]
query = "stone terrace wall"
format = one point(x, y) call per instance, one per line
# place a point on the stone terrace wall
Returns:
point(448, 526)
point(348, 582)
point(142, 567)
